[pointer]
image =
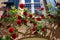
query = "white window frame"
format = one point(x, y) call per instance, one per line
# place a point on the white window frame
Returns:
point(32, 5)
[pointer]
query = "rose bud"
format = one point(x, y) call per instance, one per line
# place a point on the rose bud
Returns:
point(36, 13)
point(38, 19)
point(43, 16)
point(59, 16)
point(31, 21)
point(34, 29)
point(25, 13)
point(9, 25)
point(51, 16)
point(11, 30)
point(0, 24)
point(15, 15)
point(58, 24)
point(25, 20)
point(22, 6)
point(41, 9)
point(18, 22)
point(19, 17)
point(57, 4)
point(14, 36)
point(7, 15)
point(30, 15)
point(44, 29)
point(34, 24)
point(33, 18)
point(2, 17)
point(35, 32)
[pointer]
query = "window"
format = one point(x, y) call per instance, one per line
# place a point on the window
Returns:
point(36, 5)
point(33, 4)
point(28, 4)
point(36, 0)
point(27, 1)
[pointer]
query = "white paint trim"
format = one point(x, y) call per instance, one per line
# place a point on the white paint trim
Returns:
point(22, 1)
point(44, 11)
point(32, 6)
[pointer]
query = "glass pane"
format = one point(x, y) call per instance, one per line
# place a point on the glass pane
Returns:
point(36, 11)
point(10, 0)
point(36, 6)
point(16, 3)
point(28, 6)
point(36, 0)
point(28, 1)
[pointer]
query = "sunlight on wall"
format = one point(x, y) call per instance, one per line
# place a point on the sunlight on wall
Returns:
point(59, 1)
point(1, 2)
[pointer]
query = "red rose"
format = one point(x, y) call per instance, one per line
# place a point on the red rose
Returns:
point(34, 24)
point(59, 16)
point(51, 16)
point(11, 29)
point(22, 5)
point(36, 13)
point(33, 18)
point(2, 17)
point(41, 9)
point(25, 20)
point(58, 23)
point(15, 15)
point(34, 29)
point(19, 17)
point(44, 29)
point(30, 15)
point(18, 21)
point(0, 24)
point(35, 32)
point(57, 4)
point(31, 21)
point(25, 13)
point(43, 16)
point(7, 15)
point(14, 36)
point(38, 19)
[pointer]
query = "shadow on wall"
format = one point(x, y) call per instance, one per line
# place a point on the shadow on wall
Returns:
point(16, 2)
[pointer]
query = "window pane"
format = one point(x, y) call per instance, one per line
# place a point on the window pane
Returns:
point(36, 0)
point(28, 1)
point(36, 6)
point(28, 6)
point(10, 0)
point(35, 10)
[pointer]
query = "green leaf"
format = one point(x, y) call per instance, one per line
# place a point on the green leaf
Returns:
point(39, 27)
point(3, 38)
point(8, 38)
